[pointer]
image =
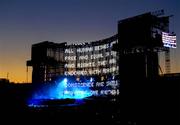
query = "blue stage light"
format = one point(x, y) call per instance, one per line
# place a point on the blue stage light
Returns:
point(91, 79)
point(65, 80)
point(61, 90)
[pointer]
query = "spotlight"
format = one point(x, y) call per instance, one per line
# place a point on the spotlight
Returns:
point(65, 80)
point(91, 79)
point(113, 77)
point(66, 92)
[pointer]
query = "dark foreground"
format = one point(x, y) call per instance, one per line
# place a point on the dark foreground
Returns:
point(97, 111)
point(154, 102)
point(14, 109)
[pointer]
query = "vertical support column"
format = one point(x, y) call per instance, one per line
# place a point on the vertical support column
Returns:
point(27, 74)
point(167, 61)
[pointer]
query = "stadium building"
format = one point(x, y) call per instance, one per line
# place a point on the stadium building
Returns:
point(130, 55)
point(50, 60)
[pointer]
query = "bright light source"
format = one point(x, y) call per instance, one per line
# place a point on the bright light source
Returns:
point(65, 80)
point(91, 79)
point(66, 92)
point(62, 90)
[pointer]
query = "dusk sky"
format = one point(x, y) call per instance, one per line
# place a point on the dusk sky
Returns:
point(25, 22)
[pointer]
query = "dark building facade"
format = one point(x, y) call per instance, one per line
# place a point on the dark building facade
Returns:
point(140, 41)
point(47, 60)
point(52, 60)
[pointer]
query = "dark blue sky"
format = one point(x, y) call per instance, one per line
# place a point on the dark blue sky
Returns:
point(24, 22)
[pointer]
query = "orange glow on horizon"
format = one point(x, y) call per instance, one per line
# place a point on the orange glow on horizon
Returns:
point(18, 73)
point(14, 68)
